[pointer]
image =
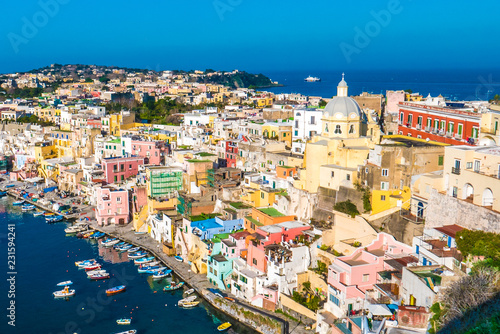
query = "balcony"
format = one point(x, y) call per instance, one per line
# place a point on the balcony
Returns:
point(449, 134)
point(455, 170)
point(428, 129)
point(419, 126)
point(441, 133)
point(458, 136)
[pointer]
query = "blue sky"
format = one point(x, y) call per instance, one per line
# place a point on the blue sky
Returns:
point(254, 35)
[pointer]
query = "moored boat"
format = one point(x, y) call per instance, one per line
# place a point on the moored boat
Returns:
point(110, 242)
point(115, 290)
point(94, 272)
point(188, 299)
point(137, 255)
point(144, 260)
point(145, 267)
point(124, 247)
point(99, 276)
point(17, 203)
point(94, 266)
point(189, 304)
point(66, 292)
point(54, 219)
point(224, 327)
point(119, 244)
point(98, 235)
point(38, 213)
point(161, 274)
point(188, 292)
point(133, 250)
point(173, 286)
point(64, 283)
point(84, 262)
point(178, 258)
point(28, 207)
point(132, 331)
point(3, 193)
point(124, 321)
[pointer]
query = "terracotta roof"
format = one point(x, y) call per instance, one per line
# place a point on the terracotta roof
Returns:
point(240, 235)
point(450, 230)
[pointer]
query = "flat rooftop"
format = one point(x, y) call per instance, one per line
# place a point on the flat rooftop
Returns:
point(271, 212)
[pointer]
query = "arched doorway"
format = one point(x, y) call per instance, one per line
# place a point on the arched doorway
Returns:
point(487, 197)
point(121, 221)
point(468, 192)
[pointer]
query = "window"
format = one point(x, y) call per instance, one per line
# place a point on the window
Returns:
point(384, 185)
point(123, 177)
point(338, 130)
point(313, 120)
point(254, 261)
point(262, 194)
point(334, 300)
point(243, 279)
point(441, 160)
point(351, 128)
point(348, 177)
point(296, 124)
point(401, 118)
point(429, 122)
point(130, 166)
point(119, 199)
point(333, 173)
point(454, 192)
point(385, 172)
point(410, 119)
point(115, 178)
point(366, 277)
point(468, 165)
point(477, 165)
point(382, 197)
point(460, 130)
point(296, 133)
point(326, 128)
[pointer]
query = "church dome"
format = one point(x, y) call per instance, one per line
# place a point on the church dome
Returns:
point(342, 107)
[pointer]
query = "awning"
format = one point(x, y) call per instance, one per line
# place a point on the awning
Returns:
point(379, 309)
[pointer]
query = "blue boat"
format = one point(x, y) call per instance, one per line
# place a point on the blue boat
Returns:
point(98, 235)
point(137, 255)
point(28, 207)
point(124, 247)
point(118, 245)
point(144, 260)
point(164, 272)
point(54, 219)
point(3, 193)
point(10, 186)
point(178, 258)
point(18, 203)
point(145, 268)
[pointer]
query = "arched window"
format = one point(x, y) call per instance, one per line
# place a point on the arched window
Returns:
point(351, 128)
point(326, 128)
point(337, 129)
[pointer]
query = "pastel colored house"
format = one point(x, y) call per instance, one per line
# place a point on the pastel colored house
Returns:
point(219, 269)
point(349, 277)
point(264, 217)
point(112, 206)
point(119, 169)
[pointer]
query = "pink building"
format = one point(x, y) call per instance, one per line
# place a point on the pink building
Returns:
point(235, 245)
point(112, 206)
point(152, 151)
point(350, 276)
point(269, 235)
point(117, 170)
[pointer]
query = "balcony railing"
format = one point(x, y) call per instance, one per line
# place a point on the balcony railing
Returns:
point(419, 126)
point(449, 133)
point(455, 170)
point(428, 129)
point(442, 132)
point(458, 136)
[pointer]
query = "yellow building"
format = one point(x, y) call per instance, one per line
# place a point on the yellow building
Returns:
point(264, 102)
point(259, 197)
point(44, 151)
point(387, 199)
point(281, 131)
point(332, 158)
point(64, 140)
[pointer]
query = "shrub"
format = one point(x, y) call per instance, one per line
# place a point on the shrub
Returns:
point(347, 207)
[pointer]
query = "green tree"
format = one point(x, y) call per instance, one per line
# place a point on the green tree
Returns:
point(89, 80)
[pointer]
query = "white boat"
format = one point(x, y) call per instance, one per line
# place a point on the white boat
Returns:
point(124, 321)
point(38, 213)
point(110, 243)
point(76, 228)
point(187, 300)
point(95, 272)
point(27, 207)
point(132, 331)
point(133, 250)
point(188, 292)
point(161, 274)
point(144, 260)
point(66, 292)
point(83, 263)
point(64, 283)
point(312, 79)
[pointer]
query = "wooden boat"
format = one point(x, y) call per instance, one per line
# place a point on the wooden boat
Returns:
point(64, 283)
point(188, 299)
point(47, 214)
point(99, 276)
point(28, 207)
point(124, 321)
point(189, 304)
point(38, 213)
point(132, 331)
point(115, 246)
point(115, 290)
point(94, 266)
point(18, 203)
point(84, 262)
point(230, 299)
point(10, 186)
point(54, 219)
point(161, 274)
point(224, 327)
point(94, 272)
point(173, 286)
point(145, 267)
point(66, 292)
point(133, 250)
point(110, 242)
point(3, 193)
point(98, 235)
point(188, 292)
point(144, 260)
point(124, 247)
point(178, 258)
point(137, 255)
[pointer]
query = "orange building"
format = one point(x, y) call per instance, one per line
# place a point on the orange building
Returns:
point(264, 217)
point(284, 172)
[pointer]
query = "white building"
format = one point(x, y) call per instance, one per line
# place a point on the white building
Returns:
point(306, 124)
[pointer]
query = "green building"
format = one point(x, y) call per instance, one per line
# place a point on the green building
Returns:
point(163, 181)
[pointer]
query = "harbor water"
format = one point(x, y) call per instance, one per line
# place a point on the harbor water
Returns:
point(45, 256)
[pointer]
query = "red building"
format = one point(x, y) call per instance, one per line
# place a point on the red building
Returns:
point(94, 123)
point(117, 170)
point(444, 125)
point(231, 153)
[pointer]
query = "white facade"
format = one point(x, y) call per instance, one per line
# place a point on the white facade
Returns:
point(306, 124)
point(161, 228)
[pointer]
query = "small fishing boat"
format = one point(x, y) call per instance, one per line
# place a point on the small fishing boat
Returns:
point(133, 250)
point(115, 246)
point(144, 260)
point(10, 186)
point(99, 276)
point(124, 321)
point(173, 286)
point(140, 233)
point(124, 247)
point(84, 262)
point(178, 258)
point(64, 283)
point(28, 207)
point(154, 271)
point(95, 272)
point(189, 304)
point(75, 229)
point(98, 235)
point(94, 266)
point(66, 292)
point(188, 299)
point(46, 214)
point(38, 213)
point(161, 274)
point(145, 267)
point(137, 255)
point(115, 290)
point(132, 331)
point(18, 203)
point(54, 219)
point(188, 292)
point(224, 327)
point(110, 242)
point(3, 193)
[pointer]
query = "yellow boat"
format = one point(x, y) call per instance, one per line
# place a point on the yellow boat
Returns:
point(189, 304)
point(224, 326)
